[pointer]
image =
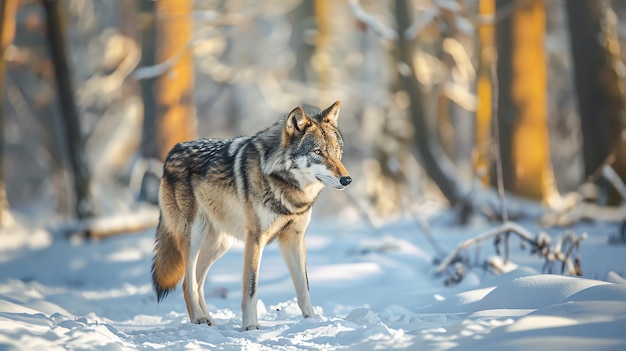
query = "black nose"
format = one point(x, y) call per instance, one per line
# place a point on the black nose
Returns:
point(345, 180)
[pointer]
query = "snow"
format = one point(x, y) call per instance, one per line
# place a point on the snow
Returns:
point(371, 290)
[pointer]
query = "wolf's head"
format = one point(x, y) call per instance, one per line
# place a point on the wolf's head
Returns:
point(315, 147)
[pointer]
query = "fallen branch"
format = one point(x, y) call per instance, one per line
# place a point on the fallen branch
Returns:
point(564, 247)
point(506, 227)
point(584, 211)
point(108, 226)
point(581, 210)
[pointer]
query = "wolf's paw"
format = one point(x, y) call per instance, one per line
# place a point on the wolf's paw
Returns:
point(315, 318)
point(251, 327)
point(202, 320)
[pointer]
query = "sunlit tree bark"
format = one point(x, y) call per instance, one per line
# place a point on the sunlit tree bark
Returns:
point(522, 105)
point(484, 92)
point(175, 113)
point(321, 60)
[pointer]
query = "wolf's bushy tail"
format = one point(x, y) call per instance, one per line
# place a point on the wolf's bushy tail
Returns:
point(168, 264)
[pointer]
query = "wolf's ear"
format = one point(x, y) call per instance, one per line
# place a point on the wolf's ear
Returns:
point(331, 114)
point(296, 121)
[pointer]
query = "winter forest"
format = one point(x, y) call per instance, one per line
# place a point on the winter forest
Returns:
point(485, 140)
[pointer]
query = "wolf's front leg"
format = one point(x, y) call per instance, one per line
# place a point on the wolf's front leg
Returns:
point(294, 252)
point(252, 260)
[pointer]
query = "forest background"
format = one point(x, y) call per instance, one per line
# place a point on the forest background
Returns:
point(96, 92)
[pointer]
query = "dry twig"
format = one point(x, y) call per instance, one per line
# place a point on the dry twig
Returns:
point(565, 246)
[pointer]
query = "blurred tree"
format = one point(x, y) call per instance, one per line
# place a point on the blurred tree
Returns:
point(148, 42)
point(436, 164)
point(31, 92)
point(386, 128)
point(522, 102)
point(303, 50)
point(486, 53)
point(175, 110)
point(8, 9)
point(149, 144)
point(74, 138)
point(599, 90)
point(321, 60)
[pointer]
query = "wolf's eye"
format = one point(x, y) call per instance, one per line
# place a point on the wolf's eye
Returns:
point(317, 152)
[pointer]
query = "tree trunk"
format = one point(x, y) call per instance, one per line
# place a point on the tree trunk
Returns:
point(436, 165)
point(322, 60)
point(303, 51)
point(598, 87)
point(484, 91)
point(148, 43)
point(75, 143)
point(149, 190)
point(175, 111)
point(522, 101)
point(8, 9)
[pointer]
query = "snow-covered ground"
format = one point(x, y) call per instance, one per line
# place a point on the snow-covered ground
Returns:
point(372, 290)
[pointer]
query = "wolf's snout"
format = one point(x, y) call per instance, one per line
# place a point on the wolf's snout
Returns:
point(345, 180)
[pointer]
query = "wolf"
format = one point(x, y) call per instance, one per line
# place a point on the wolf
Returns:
point(256, 189)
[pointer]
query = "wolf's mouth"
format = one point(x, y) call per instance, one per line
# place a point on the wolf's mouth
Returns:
point(331, 181)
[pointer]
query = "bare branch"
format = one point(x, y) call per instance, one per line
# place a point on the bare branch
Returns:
point(540, 245)
point(100, 87)
point(213, 19)
point(584, 211)
point(578, 210)
point(609, 174)
point(506, 227)
point(420, 23)
point(160, 68)
point(371, 22)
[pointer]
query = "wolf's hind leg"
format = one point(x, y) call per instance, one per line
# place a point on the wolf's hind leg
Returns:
point(214, 247)
point(199, 230)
